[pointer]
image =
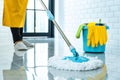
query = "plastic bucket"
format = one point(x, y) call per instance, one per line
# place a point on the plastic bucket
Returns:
point(99, 48)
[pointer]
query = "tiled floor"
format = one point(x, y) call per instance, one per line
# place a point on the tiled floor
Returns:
point(32, 64)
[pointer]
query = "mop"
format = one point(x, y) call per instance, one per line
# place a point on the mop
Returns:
point(75, 62)
point(76, 74)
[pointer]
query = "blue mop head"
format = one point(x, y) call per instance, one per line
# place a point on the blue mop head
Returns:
point(76, 57)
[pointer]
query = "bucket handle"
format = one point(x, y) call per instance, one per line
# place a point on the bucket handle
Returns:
point(79, 30)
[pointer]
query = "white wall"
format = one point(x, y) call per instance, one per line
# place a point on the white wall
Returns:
point(75, 12)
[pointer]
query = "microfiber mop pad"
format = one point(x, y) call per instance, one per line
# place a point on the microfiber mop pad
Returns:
point(76, 74)
point(58, 63)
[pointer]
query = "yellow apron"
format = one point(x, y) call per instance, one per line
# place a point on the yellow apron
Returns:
point(14, 13)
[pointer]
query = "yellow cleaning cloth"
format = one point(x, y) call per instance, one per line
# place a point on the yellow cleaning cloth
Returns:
point(96, 35)
point(14, 13)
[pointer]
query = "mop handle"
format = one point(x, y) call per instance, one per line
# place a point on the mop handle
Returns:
point(51, 17)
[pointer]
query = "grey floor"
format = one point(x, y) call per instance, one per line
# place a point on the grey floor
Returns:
point(32, 64)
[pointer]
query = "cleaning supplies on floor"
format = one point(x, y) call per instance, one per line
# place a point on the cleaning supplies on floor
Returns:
point(94, 36)
point(75, 62)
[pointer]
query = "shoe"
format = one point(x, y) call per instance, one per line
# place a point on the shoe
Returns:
point(20, 46)
point(28, 44)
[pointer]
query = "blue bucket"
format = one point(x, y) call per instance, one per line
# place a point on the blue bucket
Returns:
point(98, 49)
